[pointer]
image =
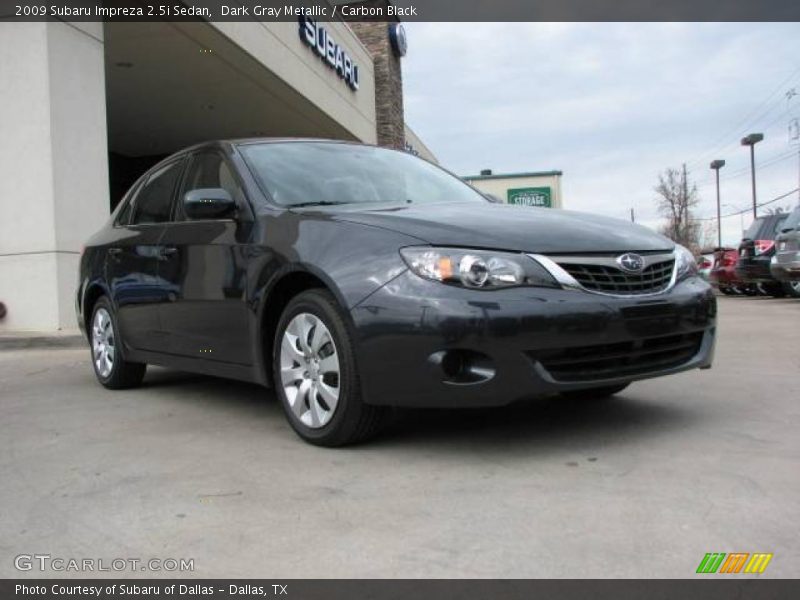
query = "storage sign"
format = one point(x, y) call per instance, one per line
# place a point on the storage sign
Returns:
point(531, 196)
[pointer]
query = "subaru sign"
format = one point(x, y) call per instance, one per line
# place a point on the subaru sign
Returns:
point(318, 39)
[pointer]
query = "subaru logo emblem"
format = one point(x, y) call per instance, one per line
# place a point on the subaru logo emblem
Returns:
point(632, 263)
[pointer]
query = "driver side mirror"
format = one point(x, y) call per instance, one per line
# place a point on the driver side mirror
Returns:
point(209, 203)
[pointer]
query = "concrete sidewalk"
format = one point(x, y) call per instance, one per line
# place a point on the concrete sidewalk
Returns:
point(19, 340)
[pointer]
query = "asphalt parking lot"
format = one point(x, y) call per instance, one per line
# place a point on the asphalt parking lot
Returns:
point(641, 485)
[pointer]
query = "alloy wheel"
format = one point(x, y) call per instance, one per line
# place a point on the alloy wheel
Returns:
point(309, 370)
point(103, 343)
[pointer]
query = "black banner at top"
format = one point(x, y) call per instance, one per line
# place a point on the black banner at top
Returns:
point(403, 10)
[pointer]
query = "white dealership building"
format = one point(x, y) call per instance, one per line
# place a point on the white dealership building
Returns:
point(88, 106)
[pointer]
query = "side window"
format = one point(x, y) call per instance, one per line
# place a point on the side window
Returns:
point(153, 203)
point(777, 226)
point(210, 170)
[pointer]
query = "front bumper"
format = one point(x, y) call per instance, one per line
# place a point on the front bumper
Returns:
point(786, 266)
point(522, 342)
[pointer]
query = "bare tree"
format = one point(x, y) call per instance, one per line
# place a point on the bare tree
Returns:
point(675, 200)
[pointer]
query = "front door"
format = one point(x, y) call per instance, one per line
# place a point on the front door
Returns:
point(204, 263)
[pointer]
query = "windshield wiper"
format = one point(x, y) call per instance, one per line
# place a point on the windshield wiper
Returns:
point(318, 203)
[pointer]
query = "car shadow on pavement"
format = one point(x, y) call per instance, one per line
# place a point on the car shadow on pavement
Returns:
point(209, 390)
point(537, 423)
point(543, 423)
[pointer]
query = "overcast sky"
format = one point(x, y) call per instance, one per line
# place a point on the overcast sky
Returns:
point(610, 105)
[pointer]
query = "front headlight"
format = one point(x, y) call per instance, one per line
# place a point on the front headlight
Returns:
point(684, 263)
point(476, 269)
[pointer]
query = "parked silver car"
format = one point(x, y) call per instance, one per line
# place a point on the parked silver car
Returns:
point(705, 262)
point(785, 265)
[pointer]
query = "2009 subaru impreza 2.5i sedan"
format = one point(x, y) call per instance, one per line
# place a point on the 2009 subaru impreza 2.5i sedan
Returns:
point(353, 278)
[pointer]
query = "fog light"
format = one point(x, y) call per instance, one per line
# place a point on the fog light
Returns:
point(463, 367)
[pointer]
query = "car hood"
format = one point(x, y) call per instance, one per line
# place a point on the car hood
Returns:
point(506, 227)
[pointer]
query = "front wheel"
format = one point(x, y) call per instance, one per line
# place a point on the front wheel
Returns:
point(110, 367)
point(314, 370)
point(595, 393)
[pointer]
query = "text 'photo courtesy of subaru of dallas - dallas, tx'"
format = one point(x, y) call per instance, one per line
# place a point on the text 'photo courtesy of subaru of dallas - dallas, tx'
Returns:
point(353, 278)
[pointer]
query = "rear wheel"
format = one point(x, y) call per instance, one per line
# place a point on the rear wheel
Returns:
point(314, 371)
point(596, 393)
point(110, 367)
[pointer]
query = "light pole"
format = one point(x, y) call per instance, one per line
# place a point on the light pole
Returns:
point(751, 140)
point(717, 165)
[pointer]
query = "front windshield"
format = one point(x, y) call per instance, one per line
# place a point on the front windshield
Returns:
point(308, 173)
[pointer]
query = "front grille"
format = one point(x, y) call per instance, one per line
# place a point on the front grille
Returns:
point(611, 280)
point(621, 359)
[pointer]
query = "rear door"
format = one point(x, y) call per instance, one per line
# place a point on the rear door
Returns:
point(133, 258)
point(204, 262)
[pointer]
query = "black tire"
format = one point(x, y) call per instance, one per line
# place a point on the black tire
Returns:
point(726, 290)
point(792, 288)
point(352, 420)
point(123, 374)
point(595, 393)
point(750, 290)
point(776, 289)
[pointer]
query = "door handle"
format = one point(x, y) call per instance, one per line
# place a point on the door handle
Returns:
point(168, 251)
point(114, 251)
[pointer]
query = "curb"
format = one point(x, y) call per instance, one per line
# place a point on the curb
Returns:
point(24, 342)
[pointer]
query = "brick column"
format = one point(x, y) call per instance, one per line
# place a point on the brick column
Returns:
point(390, 122)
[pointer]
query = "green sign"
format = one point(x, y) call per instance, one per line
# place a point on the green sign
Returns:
point(532, 196)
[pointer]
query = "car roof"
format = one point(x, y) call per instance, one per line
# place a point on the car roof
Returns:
point(263, 140)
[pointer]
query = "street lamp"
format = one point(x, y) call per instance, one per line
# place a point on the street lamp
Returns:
point(717, 165)
point(751, 140)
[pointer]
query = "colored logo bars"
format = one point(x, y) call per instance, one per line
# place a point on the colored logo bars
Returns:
point(736, 562)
